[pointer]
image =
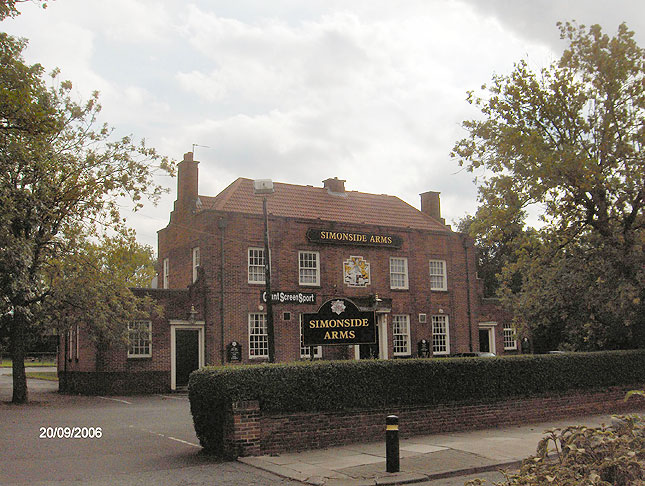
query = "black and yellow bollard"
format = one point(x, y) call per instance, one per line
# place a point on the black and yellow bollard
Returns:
point(392, 443)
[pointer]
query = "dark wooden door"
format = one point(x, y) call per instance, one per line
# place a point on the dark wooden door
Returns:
point(186, 354)
point(484, 340)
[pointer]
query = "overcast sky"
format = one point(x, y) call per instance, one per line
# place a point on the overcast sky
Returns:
point(298, 91)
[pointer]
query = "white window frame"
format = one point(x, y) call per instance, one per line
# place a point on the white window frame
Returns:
point(404, 273)
point(508, 333)
point(135, 344)
point(77, 344)
point(196, 262)
point(70, 351)
point(401, 335)
point(261, 277)
point(434, 275)
point(301, 268)
point(166, 273)
point(258, 336)
point(442, 348)
point(305, 351)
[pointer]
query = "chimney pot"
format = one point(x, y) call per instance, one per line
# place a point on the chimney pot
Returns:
point(335, 185)
point(187, 181)
point(431, 205)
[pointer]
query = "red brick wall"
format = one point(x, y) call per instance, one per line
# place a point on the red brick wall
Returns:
point(287, 237)
point(93, 368)
point(254, 433)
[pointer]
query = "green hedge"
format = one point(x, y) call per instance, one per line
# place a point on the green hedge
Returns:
point(352, 385)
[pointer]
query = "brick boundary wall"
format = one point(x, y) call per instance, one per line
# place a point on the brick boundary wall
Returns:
point(249, 432)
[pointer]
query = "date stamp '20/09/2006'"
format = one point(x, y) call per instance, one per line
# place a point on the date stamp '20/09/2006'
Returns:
point(70, 433)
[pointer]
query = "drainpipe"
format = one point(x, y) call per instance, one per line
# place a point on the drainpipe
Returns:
point(221, 224)
point(470, 320)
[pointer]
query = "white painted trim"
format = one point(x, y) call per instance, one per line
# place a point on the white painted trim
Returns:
point(406, 285)
point(381, 322)
point(182, 324)
point(382, 335)
point(490, 327)
point(317, 282)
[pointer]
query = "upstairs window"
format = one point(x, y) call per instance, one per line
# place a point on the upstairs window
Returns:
point(196, 262)
point(256, 265)
point(438, 279)
point(398, 273)
point(166, 273)
point(309, 267)
point(140, 339)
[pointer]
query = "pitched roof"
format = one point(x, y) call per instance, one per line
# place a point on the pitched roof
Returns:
point(308, 202)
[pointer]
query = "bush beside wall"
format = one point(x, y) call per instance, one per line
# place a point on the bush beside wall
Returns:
point(397, 384)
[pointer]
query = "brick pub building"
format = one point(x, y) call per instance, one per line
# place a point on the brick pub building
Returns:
point(326, 243)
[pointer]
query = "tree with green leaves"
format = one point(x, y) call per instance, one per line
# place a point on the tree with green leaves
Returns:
point(567, 143)
point(62, 178)
point(8, 7)
point(90, 288)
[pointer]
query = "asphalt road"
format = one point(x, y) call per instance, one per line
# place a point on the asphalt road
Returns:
point(144, 440)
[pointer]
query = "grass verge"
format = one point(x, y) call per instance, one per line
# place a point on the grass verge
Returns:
point(6, 363)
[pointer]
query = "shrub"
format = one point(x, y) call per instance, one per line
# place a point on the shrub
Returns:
point(355, 385)
point(585, 456)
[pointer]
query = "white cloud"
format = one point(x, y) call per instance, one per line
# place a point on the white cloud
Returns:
point(372, 91)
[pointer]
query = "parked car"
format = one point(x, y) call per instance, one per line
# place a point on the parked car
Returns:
point(475, 354)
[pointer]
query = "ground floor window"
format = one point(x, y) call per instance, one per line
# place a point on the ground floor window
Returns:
point(510, 342)
point(401, 335)
point(140, 339)
point(258, 336)
point(440, 335)
point(305, 351)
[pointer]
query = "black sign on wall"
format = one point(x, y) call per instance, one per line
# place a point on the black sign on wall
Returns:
point(423, 347)
point(339, 321)
point(280, 297)
point(234, 352)
point(334, 237)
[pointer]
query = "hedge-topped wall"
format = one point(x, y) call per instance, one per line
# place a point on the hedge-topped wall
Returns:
point(355, 386)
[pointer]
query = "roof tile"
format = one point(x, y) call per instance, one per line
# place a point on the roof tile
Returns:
point(307, 202)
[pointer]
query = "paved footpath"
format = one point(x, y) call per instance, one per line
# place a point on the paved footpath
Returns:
point(423, 458)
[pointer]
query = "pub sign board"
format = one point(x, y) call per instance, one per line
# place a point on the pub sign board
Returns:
point(335, 237)
point(339, 321)
point(280, 297)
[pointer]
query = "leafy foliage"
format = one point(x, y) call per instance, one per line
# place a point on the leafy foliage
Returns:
point(567, 143)
point(578, 455)
point(90, 288)
point(62, 180)
point(323, 386)
point(8, 7)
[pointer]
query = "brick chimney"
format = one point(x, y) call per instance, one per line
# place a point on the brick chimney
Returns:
point(335, 185)
point(431, 205)
point(187, 181)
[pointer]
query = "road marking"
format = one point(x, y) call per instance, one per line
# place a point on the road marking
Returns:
point(165, 436)
point(117, 400)
point(180, 397)
point(184, 442)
